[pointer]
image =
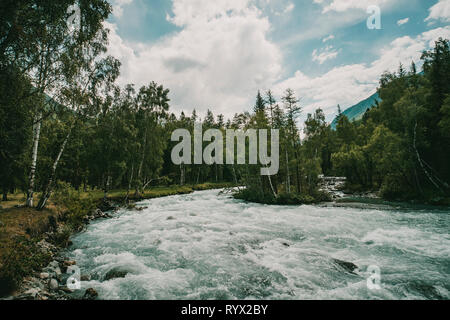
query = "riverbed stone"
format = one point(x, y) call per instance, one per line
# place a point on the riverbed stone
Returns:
point(115, 274)
point(85, 277)
point(53, 284)
point(90, 294)
point(347, 266)
point(44, 275)
point(32, 292)
point(69, 263)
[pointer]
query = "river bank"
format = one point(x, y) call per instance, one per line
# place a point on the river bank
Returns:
point(31, 240)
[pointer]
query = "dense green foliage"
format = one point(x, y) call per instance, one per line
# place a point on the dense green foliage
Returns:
point(95, 135)
point(401, 146)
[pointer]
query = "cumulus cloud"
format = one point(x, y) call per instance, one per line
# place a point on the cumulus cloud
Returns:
point(402, 21)
point(118, 7)
point(325, 54)
point(349, 84)
point(219, 59)
point(440, 11)
point(223, 54)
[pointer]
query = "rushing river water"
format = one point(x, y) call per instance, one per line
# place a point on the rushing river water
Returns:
point(209, 246)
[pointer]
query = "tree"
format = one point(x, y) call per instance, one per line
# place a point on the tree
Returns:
point(292, 113)
point(270, 100)
point(260, 105)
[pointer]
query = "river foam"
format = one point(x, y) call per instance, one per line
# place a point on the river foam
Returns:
point(209, 246)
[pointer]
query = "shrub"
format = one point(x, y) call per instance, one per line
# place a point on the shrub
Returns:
point(76, 206)
point(392, 188)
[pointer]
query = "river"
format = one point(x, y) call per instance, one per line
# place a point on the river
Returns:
point(209, 246)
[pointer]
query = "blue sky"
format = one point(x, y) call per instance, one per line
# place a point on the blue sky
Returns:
point(217, 54)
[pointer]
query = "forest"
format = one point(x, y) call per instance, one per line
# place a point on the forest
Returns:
point(66, 123)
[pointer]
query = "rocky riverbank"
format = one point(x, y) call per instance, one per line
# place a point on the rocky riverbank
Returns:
point(53, 282)
point(31, 265)
point(336, 188)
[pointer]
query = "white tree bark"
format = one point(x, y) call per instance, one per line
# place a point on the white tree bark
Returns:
point(32, 177)
point(49, 188)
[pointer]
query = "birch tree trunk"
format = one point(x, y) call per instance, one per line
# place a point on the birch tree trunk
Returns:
point(141, 166)
point(34, 153)
point(49, 188)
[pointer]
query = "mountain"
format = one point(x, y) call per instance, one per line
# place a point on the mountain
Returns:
point(357, 111)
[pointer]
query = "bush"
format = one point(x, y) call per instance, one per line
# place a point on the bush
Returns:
point(392, 188)
point(294, 199)
point(76, 206)
point(256, 196)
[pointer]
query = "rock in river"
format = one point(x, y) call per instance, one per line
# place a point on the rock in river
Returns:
point(115, 273)
point(90, 294)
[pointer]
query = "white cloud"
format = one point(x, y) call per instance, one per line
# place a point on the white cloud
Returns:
point(330, 37)
point(218, 60)
point(222, 55)
point(440, 11)
point(349, 84)
point(118, 7)
point(402, 21)
point(289, 8)
point(188, 12)
point(324, 54)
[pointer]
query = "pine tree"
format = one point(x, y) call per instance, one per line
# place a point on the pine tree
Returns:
point(260, 105)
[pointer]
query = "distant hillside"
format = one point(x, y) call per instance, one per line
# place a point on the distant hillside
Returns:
point(357, 111)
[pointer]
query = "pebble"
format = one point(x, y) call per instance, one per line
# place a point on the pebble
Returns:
point(90, 294)
point(53, 284)
point(44, 275)
point(85, 277)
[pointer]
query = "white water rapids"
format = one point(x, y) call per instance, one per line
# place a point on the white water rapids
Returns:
point(210, 246)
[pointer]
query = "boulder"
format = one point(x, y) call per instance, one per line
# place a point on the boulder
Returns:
point(347, 266)
point(115, 274)
point(90, 294)
point(53, 284)
point(69, 263)
point(44, 275)
point(31, 294)
point(85, 277)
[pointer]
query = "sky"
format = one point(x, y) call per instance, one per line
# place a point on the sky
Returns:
point(217, 54)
